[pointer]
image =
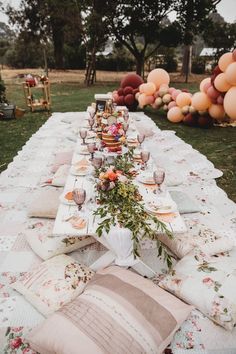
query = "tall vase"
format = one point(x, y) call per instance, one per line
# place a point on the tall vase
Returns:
point(121, 243)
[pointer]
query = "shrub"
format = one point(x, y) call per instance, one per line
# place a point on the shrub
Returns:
point(198, 66)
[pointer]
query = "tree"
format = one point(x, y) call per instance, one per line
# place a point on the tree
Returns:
point(47, 19)
point(140, 27)
point(193, 18)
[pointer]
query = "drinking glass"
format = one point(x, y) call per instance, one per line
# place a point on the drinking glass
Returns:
point(110, 159)
point(159, 176)
point(145, 156)
point(91, 122)
point(79, 195)
point(126, 115)
point(140, 138)
point(91, 148)
point(83, 134)
point(125, 126)
point(97, 161)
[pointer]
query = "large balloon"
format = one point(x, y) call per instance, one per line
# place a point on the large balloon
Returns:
point(225, 60)
point(221, 83)
point(132, 80)
point(175, 115)
point(230, 73)
point(229, 103)
point(216, 111)
point(234, 54)
point(200, 101)
point(149, 88)
point(203, 82)
point(142, 100)
point(158, 77)
point(183, 99)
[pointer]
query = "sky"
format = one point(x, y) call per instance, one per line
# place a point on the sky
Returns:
point(226, 8)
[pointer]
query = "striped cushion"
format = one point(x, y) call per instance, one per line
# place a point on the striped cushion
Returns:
point(119, 312)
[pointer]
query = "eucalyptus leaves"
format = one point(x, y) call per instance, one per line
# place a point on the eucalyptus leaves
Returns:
point(120, 203)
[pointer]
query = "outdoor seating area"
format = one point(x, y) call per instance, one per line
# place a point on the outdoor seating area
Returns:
point(92, 298)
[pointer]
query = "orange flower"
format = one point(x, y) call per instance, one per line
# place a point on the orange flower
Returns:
point(112, 176)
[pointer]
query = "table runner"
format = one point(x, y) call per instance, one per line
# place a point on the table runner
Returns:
point(32, 166)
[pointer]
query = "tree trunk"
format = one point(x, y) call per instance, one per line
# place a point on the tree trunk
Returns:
point(58, 44)
point(187, 62)
point(139, 65)
point(90, 74)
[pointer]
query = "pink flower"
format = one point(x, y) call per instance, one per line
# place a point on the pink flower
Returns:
point(27, 350)
point(16, 329)
point(208, 281)
point(15, 343)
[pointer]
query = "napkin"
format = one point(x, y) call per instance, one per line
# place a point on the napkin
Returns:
point(184, 203)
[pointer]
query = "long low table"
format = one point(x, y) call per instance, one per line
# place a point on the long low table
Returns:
point(32, 166)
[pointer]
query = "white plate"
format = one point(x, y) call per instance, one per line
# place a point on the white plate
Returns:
point(75, 172)
point(145, 179)
point(82, 150)
point(66, 201)
point(164, 207)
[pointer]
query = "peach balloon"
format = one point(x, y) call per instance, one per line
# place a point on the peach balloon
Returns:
point(171, 89)
point(229, 103)
point(221, 83)
point(141, 88)
point(149, 99)
point(158, 101)
point(166, 98)
point(156, 94)
point(165, 107)
point(172, 104)
point(142, 100)
point(175, 115)
point(200, 101)
point(183, 99)
point(158, 77)
point(230, 73)
point(175, 94)
point(216, 111)
point(225, 60)
point(234, 54)
point(115, 96)
point(203, 82)
point(149, 88)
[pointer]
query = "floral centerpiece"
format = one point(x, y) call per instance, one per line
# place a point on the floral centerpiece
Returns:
point(120, 204)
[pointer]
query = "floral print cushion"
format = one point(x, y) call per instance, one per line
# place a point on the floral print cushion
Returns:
point(208, 283)
point(54, 283)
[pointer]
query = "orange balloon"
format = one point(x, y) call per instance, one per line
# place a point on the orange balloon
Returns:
point(229, 103)
point(221, 83)
point(175, 115)
point(149, 88)
point(183, 99)
point(207, 80)
point(230, 73)
point(200, 101)
point(142, 100)
point(158, 77)
point(225, 60)
point(141, 88)
point(217, 111)
point(149, 99)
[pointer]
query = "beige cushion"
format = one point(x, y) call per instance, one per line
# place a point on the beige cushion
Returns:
point(46, 246)
point(208, 283)
point(54, 283)
point(62, 158)
point(118, 312)
point(45, 203)
point(60, 177)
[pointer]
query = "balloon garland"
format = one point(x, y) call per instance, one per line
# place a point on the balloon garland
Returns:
point(216, 99)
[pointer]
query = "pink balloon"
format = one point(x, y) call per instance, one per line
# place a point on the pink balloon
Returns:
point(220, 100)
point(150, 99)
point(156, 94)
point(229, 103)
point(172, 104)
point(225, 60)
point(234, 54)
point(175, 94)
point(175, 115)
point(212, 92)
point(115, 91)
point(158, 77)
point(206, 87)
point(115, 96)
point(171, 89)
point(205, 81)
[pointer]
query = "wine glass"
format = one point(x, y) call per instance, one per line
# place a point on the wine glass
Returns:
point(145, 156)
point(126, 115)
point(159, 176)
point(91, 122)
point(91, 148)
point(125, 126)
point(97, 161)
point(83, 134)
point(110, 159)
point(92, 114)
point(79, 196)
point(140, 138)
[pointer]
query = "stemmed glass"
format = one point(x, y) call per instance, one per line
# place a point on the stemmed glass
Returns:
point(159, 176)
point(91, 148)
point(91, 122)
point(110, 159)
point(83, 134)
point(145, 156)
point(126, 115)
point(97, 161)
point(140, 138)
point(79, 196)
point(125, 126)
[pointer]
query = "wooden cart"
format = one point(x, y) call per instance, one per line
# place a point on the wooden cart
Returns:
point(38, 96)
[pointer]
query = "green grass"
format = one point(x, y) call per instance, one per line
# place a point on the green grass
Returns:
point(218, 144)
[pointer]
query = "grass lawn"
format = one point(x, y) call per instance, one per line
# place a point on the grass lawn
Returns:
point(218, 144)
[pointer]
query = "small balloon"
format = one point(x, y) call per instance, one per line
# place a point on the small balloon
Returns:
point(175, 115)
point(185, 109)
point(203, 82)
point(166, 98)
point(149, 88)
point(200, 101)
point(183, 99)
point(158, 101)
point(216, 111)
point(175, 94)
point(221, 83)
point(225, 60)
point(128, 90)
point(172, 104)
